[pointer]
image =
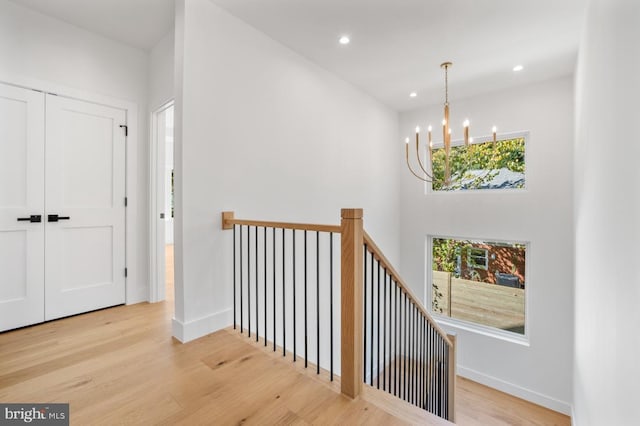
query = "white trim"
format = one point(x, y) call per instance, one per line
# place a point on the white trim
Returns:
point(515, 390)
point(521, 339)
point(485, 330)
point(573, 416)
point(156, 276)
point(191, 330)
point(135, 293)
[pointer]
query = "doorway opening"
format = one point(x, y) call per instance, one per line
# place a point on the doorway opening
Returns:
point(162, 204)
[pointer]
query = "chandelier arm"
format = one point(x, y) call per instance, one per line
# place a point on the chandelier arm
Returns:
point(421, 165)
point(414, 173)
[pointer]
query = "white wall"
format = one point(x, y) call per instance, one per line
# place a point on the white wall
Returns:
point(541, 215)
point(161, 78)
point(607, 217)
point(36, 49)
point(266, 133)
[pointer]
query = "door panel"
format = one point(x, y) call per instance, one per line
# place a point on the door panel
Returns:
point(21, 195)
point(85, 182)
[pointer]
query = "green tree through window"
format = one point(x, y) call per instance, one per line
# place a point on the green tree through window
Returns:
point(485, 165)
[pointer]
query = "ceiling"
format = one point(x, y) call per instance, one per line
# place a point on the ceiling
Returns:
point(396, 45)
point(139, 23)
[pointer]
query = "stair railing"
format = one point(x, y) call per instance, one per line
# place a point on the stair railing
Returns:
point(387, 338)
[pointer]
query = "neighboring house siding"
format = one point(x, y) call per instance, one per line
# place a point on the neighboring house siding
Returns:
point(506, 260)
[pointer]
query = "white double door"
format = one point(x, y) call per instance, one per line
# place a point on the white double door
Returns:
point(62, 213)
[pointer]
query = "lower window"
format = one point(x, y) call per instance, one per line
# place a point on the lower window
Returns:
point(481, 282)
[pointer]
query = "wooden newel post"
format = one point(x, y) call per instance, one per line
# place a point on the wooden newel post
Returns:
point(452, 378)
point(352, 236)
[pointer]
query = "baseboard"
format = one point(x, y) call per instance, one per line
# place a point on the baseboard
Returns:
point(515, 390)
point(573, 416)
point(137, 295)
point(191, 330)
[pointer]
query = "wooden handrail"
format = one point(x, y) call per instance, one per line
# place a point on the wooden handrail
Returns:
point(228, 221)
point(385, 263)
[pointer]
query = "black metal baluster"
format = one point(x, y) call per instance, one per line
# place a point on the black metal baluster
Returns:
point(406, 353)
point(416, 358)
point(419, 359)
point(257, 310)
point(428, 365)
point(403, 370)
point(294, 294)
point(437, 390)
point(284, 299)
point(378, 346)
point(446, 381)
point(265, 285)
point(249, 281)
point(411, 342)
point(274, 288)
point(432, 380)
point(411, 360)
point(415, 354)
point(425, 358)
point(395, 337)
point(439, 375)
point(241, 283)
point(411, 355)
point(331, 301)
point(394, 357)
point(234, 276)
point(442, 376)
point(384, 334)
point(366, 271)
point(398, 340)
point(306, 357)
point(396, 376)
point(372, 319)
point(422, 320)
point(317, 302)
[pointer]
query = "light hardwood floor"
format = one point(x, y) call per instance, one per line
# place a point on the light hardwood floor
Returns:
point(121, 366)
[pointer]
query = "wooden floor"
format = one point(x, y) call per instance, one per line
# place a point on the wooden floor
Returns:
point(121, 366)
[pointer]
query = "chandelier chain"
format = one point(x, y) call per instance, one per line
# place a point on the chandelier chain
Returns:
point(446, 84)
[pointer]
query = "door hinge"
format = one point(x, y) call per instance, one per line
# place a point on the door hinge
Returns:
point(126, 129)
point(126, 201)
point(126, 271)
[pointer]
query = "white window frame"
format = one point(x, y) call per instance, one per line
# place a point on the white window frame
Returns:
point(460, 324)
point(474, 264)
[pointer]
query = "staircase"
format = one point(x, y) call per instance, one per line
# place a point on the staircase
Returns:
point(325, 296)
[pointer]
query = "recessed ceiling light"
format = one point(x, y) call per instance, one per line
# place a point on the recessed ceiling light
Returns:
point(413, 94)
point(518, 68)
point(344, 40)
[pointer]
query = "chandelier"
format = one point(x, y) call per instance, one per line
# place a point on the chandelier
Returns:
point(446, 140)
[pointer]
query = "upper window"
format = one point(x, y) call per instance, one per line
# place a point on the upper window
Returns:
point(482, 165)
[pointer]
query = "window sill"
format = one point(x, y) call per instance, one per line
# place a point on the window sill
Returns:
point(496, 333)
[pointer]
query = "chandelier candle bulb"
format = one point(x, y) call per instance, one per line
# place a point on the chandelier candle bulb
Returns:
point(466, 132)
